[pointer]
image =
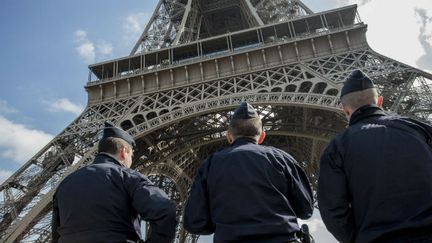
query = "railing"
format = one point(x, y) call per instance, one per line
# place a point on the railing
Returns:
point(255, 35)
point(276, 41)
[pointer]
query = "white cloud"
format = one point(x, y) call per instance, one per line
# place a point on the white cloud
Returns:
point(4, 174)
point(133, 26)
point(86, 51)
point(65, 105)
point(18, 142)
point(394, 33)
point(348, 2)
point(85, 48)
point(80, 36)
point(104, 48)
point(5, 108)
point(134, 23)
point(425, 38)
point(398, 33)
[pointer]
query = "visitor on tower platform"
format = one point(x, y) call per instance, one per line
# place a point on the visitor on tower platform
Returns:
point(106, 201)
point(248, 192)
point(375, 182)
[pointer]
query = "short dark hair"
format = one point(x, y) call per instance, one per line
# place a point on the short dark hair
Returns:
point(358, 99)
point(112, 145)
point(246, 127)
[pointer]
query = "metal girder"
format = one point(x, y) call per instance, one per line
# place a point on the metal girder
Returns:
point(184, 20)
point(161, 28)
point(145, 34)
point(254, 12)
point(278, 10)
point(215, 6)
point(404, 88)
point(403, 94)
point(304, 8)
point(166, 28)
point(193, 110)
point(190, 24)
point(17, 230)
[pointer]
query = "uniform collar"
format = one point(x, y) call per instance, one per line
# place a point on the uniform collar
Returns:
point(243, 140)
point(109, 159)
point(365, 112)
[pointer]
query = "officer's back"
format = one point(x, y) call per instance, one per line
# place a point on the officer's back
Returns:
point(389, 174)
point(375, 177)
point(252, 193)
point(94, 199)
point(105, 201)
point(248, 192)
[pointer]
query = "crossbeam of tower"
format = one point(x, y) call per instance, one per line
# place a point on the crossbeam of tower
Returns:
point(186, 73)
point(177, 22)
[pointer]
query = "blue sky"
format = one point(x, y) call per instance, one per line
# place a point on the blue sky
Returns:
point(46, 46)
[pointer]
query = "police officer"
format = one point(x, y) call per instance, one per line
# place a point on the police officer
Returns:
point(248, 192)
point(375, 182)
point(105, 201)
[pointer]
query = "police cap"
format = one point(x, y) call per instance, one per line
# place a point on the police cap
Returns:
point(244, 111)
point(357, 81)
point(112, 131)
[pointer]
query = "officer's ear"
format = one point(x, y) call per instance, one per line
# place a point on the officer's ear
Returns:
point(380, 101)
point(229, 137)
point(347, 111)
point(261, 137)
point(123, 153)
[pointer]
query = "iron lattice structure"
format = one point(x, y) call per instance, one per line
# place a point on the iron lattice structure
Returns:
point(195, 62)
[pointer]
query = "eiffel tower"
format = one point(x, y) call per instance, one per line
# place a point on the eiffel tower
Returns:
point(195, 61)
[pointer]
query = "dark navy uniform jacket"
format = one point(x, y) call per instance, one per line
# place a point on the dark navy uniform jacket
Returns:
point(105, 201)
point(376, 178)
point(248, 193)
